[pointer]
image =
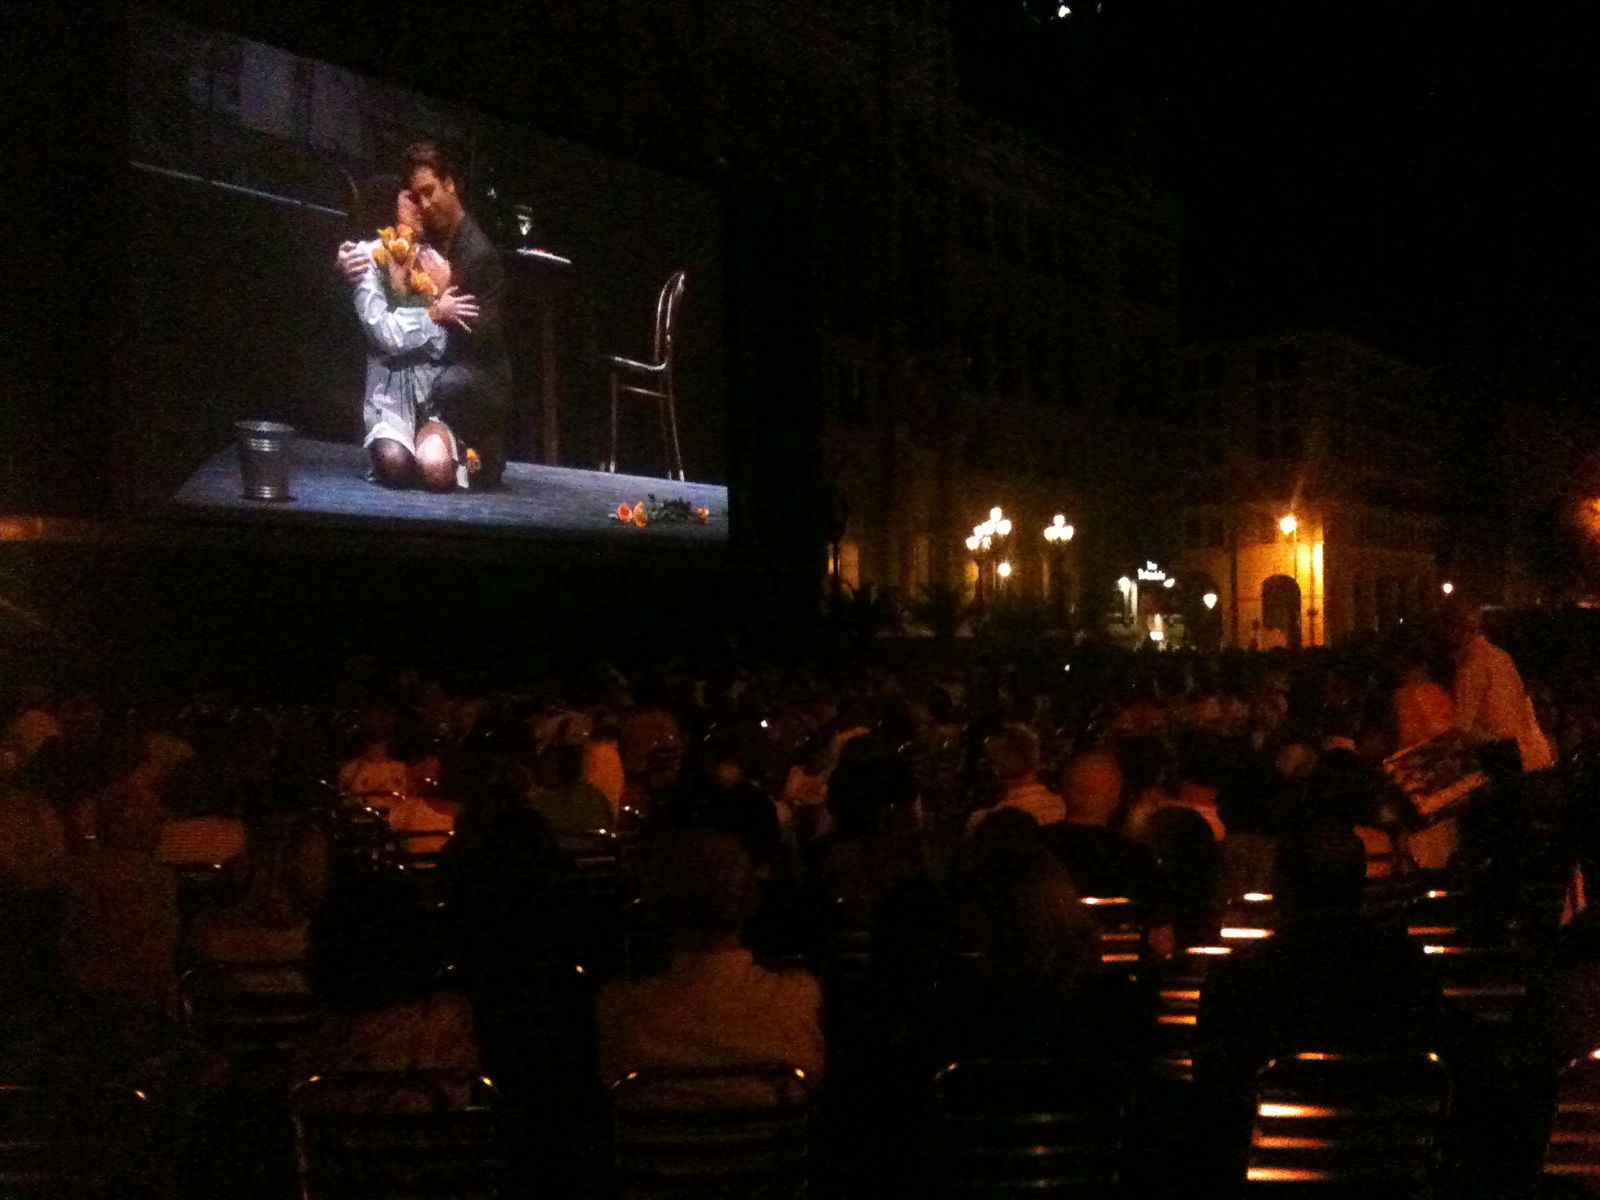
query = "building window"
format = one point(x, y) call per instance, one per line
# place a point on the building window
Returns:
point(850, 563)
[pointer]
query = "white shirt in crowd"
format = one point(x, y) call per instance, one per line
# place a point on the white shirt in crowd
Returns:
point(1492, 705)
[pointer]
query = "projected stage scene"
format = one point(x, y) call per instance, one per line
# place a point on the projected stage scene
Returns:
point(353, 303)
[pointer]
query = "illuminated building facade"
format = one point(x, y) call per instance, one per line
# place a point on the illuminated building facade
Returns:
point(1312, 503)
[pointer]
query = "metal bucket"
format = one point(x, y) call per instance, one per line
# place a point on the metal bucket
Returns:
point(265, 458)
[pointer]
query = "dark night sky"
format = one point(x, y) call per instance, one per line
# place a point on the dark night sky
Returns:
point(1408, 172)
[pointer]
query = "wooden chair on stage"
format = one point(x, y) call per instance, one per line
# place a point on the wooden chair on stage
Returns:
point(656, 379)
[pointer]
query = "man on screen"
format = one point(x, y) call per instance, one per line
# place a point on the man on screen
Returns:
point(471, 393)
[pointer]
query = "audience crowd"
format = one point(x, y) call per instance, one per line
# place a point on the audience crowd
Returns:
point(864, 874)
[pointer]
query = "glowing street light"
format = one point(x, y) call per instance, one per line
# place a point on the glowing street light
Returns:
point(973, 543)
point(1288, 524)
point(1447, 587)
point(1058, 531)
point(1209, 600)
point(1003, 570)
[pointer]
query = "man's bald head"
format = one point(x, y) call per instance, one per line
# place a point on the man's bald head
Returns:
point(1092, 787)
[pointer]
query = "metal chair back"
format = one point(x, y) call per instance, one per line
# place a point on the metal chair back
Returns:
point(1348, 1124)
point(1572, 1151)
point(1006, 1128)
point(722, 1132)
point(400, 1135)
point(56, 1146)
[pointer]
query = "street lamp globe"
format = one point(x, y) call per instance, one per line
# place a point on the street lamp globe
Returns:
point(1209, 600)
point(1288, 524)
point(1003, 570)
point(1447, 587)
point(1003, 527)
point(994, 513)
point(973, 543)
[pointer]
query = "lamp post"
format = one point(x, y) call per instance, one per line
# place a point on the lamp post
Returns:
point(987, 545)
point(1291, 529)
point(1056, 536)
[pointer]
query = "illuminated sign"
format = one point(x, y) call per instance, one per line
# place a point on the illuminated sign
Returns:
point(1150, 573)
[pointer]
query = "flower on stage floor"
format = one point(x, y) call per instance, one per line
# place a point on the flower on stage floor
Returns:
point(669, 512)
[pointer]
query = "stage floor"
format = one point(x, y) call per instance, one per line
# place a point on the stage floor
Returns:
point(330, 482)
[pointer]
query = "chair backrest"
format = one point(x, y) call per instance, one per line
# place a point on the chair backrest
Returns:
point(1178, 1009)
point(1122, 930)
point(1336, 1122)
point(86, 1148)
point(1008, 1128)
point(742, 1131)
point(254, 1011)
point(668, 304)
point(1490, 982)
point(1572, 1153)
point(413, 849)
point(399, 1134)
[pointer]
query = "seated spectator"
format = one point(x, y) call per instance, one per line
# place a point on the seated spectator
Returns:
point(266, 924)
point(33, 836)
point(876, 845)
point(712, 1006)
point(515, 899)
point(200, 829)
point(1023, 978)
point(142, 771)
point(1186, 854)
point(30, 729)
point(1330, 979)
point(119, 928)
point(1177, 785)
point(572, 807)
point(1013, 755)
point(602, 767)
point(390, 1011)
point(739, 806)
point(1101, 861)
point(375, 775)
point(34, 845)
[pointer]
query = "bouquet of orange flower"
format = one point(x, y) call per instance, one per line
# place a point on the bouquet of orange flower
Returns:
point(651, 509)
point(400, 249)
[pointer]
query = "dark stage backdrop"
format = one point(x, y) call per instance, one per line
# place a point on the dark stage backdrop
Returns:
point(243, 156)
point(70, 228)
